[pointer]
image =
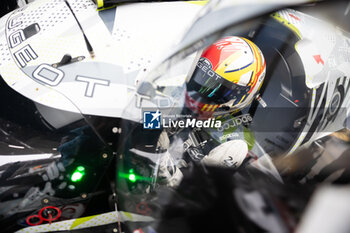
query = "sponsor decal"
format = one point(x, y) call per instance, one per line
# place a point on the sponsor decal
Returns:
point(154, 120)
point(236, 121)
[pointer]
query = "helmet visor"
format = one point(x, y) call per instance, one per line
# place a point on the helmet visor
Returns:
point(211, 88)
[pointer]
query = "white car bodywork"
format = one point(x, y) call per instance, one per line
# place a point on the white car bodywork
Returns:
point(126, 41)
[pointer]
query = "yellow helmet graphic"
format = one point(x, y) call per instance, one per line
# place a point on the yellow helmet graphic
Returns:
point(229, 74)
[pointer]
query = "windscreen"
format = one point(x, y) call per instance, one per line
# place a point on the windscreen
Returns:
point(179, 159)
point(185, 153)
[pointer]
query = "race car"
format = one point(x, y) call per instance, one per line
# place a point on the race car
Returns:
point(44, 165)
point(76, 84)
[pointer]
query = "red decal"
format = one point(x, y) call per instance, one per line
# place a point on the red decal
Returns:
point(142, 208)
point(48, 214)
point(294, 17)
point(318, 59)
point(34, 220)
point(138, 231)
point(37, 167)
point(52, 212)
point(296, 101)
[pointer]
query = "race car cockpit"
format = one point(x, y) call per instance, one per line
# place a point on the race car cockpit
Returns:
point(108, 144)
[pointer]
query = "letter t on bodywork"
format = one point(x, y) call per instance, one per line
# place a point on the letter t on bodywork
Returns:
point(91, 84)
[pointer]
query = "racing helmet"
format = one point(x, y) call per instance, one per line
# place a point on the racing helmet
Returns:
point(226, 78)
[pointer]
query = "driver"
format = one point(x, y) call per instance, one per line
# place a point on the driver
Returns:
point(227, 77)
point(225, 80)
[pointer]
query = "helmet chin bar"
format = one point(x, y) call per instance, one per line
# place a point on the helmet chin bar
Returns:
point(225, 108)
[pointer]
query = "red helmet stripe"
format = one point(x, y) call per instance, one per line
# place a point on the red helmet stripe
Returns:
point(215, 57)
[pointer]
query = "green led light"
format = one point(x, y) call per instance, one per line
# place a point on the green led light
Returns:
point(80, 168)
point(78, 174)
point(132, 177)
